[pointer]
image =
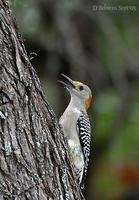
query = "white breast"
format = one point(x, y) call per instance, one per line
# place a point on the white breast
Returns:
point(68, 122)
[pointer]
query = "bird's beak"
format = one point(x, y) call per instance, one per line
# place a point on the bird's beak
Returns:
point(67, 82)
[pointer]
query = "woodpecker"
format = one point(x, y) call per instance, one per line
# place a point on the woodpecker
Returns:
point(76, 126)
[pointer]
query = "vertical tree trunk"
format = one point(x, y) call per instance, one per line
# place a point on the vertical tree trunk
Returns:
point(34, 161)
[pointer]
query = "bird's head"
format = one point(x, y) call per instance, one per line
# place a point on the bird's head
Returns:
point(78, 90)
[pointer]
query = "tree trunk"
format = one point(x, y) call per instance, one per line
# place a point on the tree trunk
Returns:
point(34, 161)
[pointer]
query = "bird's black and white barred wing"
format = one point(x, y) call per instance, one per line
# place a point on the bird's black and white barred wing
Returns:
point(84, 131)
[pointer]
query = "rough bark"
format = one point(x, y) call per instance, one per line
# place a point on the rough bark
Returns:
point(34, 161)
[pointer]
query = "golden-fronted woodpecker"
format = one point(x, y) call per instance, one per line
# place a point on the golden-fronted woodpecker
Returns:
point(76, 126)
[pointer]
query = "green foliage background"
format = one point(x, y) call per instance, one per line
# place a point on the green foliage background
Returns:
point(96, 42)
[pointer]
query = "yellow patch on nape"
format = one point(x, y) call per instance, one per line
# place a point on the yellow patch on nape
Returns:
point(88, 102)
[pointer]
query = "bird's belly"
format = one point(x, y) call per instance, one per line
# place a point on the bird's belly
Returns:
point(76, 155)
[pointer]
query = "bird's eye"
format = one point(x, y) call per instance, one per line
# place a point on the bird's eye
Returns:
point(81, 87)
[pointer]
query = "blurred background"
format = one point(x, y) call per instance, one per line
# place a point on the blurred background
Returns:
point(96, 42)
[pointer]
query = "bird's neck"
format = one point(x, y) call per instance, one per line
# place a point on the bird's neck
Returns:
point(77, 103)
